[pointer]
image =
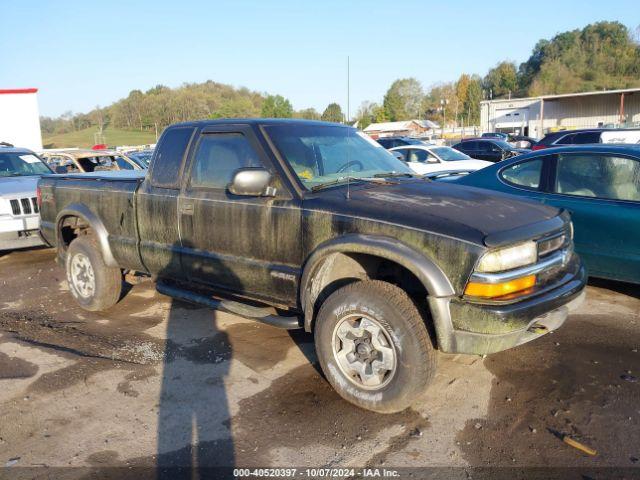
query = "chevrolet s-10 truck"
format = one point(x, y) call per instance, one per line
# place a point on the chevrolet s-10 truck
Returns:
point(312, 225)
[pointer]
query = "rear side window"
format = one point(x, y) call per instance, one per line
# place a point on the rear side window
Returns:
point(524, 174)
point(566, 140)
point(587, 137)
point(218, 156)
point(169, 155)
point(466, 146)
point(601, 176)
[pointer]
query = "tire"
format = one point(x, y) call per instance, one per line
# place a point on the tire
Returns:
point(397, 324)
point(94, 285)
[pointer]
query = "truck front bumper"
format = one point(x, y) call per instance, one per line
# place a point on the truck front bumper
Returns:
point(465, 327)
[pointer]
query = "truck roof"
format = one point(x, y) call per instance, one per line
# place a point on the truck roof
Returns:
point(260, 121)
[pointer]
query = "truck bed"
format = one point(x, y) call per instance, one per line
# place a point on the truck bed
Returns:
point(104, 198)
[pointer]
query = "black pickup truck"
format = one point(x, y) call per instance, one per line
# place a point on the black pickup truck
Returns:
point(313, 225)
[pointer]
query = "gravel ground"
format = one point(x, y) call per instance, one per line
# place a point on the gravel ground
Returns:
point(159, 382)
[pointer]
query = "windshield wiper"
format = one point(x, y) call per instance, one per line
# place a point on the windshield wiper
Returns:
point(395, 174)
point(342, 180)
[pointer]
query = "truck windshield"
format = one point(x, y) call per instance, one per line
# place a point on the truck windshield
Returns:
point(19, 164)
point(320, 154)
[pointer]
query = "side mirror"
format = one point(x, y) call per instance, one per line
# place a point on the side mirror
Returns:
point(61, 169)
point(252, 182)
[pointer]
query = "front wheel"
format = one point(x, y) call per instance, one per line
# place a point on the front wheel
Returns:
point(374, 347)
point(94, 285)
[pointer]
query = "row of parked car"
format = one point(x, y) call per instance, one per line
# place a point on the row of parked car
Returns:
point(20, 170)
point(598, 183)
point(594, 174)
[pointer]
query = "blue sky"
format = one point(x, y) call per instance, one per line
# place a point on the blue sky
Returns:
point(86, 53)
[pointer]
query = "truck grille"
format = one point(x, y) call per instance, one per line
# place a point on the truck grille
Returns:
point(24, 206)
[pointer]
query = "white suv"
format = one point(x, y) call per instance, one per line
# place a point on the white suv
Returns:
point(20, 170)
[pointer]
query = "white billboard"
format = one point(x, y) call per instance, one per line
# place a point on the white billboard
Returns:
point(20, 118)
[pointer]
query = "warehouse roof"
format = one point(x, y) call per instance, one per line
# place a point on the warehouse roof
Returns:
point(565, 95)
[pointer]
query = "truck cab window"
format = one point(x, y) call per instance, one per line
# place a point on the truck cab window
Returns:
point(165, 167)
point(218, 156)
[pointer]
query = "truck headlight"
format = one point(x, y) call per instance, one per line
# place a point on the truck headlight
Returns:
point(508, 258)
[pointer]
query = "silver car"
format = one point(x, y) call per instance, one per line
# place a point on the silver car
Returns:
point(20, 170)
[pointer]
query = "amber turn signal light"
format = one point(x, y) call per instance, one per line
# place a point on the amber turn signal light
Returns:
point(491, 290)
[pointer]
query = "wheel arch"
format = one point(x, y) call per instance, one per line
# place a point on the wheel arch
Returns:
point(340, 260)
point(89, 220)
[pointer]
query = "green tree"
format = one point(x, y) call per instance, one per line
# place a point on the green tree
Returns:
point(403, 100)
point(471, 105)
point(603, 55)
point(367, 114)
point(432, 103)
point(276, 106)
point(308, 114)
point(333, 113)
point(502, 80)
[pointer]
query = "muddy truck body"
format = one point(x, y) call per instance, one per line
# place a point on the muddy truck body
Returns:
point(311, 225)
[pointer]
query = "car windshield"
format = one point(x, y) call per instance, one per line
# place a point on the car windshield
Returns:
point(331, 155)
point(449, 154)
point(142, 158)
point(18, 164)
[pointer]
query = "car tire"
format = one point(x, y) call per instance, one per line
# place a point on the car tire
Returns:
point(94, 285)
point(357, 330)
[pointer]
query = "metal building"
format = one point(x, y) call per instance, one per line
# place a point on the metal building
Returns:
point(536, 116)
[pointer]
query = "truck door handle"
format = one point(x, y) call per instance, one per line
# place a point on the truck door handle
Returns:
point(186, 209)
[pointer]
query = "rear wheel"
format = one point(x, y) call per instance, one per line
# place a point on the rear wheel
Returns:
point(374, 347)
point(94, 285)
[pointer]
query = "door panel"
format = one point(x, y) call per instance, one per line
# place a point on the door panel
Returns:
point(158, 227)
point(606, 235)
point(246, 245)
point(606, 230)
point(157, 204)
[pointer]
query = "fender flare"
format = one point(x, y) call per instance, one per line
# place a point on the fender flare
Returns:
point(430, 275)
point(83, 212)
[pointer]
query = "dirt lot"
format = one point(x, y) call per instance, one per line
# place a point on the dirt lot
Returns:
point(159, 382)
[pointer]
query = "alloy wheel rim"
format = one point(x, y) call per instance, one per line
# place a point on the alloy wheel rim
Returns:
point(364, 351)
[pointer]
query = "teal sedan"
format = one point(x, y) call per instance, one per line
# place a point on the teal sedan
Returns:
point(598, 184)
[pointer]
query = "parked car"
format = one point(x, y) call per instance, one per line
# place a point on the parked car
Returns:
point(20, 170)
point(522, 141)
point(141, 157)
point(498, 135)
point(598, 184)
point(87, 161)
point(588, 136)
point(318, 221)
point(391, 142)
point(432, 158)
point(489, 150)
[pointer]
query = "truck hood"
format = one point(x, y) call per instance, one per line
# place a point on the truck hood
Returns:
point(18, 187)
point(467, 213)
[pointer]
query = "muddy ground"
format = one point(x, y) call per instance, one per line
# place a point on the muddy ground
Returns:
point(159, 382)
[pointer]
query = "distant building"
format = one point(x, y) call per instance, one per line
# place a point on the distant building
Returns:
point(20, 118)
point(408, 128)
point(536, 116)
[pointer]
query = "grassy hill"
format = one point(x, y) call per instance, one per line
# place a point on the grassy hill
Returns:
point(85, 138)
